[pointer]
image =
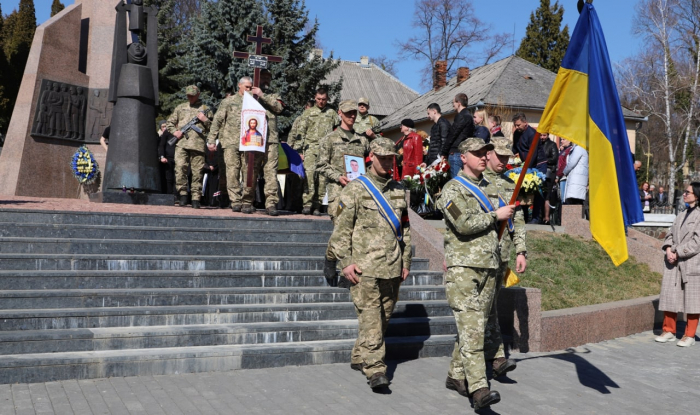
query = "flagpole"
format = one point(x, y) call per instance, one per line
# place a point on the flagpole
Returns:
point(521, 177)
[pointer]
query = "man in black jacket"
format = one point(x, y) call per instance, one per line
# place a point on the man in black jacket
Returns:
point(461, 129)
point(523, 135)
point(166, 156)
point(438, 132)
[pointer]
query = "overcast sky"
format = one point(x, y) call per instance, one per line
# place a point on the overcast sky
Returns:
point(372, 27)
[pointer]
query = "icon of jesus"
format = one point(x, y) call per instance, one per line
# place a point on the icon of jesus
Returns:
point(252, 136)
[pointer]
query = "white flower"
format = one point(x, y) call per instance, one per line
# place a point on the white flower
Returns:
point(416, 177)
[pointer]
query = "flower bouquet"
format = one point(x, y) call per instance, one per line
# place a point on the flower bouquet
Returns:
point(532, 183)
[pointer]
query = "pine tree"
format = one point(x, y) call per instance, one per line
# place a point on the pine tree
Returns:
point(56, 7)
point(545, 43)
point(221, 29)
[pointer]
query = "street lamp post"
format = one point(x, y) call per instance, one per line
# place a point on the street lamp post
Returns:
point(648, 153)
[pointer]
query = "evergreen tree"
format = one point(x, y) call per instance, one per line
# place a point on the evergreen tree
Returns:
point(222, 28)
point(17, 34)
point(545, 43)
point(56, 7)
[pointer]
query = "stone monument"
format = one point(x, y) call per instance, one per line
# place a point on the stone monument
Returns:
point(62, 102)
point(132, 159)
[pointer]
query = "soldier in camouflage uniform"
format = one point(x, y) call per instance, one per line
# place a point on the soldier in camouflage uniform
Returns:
point(190, 151)
point(315, 124)
point(364, 123)
point(372, 258)
point(472, 259)
point(333, 149)
point(227, 128)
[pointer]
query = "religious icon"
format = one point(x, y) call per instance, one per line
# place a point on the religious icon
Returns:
point(354, 166)
point(252, 136)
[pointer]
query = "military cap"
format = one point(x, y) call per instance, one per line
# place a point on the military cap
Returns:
point(348, 105)
point(192, 90)
point(502, 146)
point(474, 144)
point(363, 100)
point(382, 146)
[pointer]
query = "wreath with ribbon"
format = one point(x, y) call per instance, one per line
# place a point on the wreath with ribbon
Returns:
point(84, 166)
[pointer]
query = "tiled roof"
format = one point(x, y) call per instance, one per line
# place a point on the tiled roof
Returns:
point(511, 82)
point(386, 93)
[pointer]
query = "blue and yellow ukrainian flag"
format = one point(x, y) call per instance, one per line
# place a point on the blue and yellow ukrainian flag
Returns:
point(584, 108)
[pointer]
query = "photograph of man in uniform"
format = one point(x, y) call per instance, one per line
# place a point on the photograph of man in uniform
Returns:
point(252, 136)
point(354, 167)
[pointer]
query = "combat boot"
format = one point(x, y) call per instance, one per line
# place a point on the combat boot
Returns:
point(272, 211)
point(196, 204)
point(306, 210)
point(248, 209)
point(484, 397)
point(378, 381)
point(459, 385)
point(183, 200)
point(501, 366)
point(235, 208)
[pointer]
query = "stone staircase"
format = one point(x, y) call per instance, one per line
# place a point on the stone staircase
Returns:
point(91, 295)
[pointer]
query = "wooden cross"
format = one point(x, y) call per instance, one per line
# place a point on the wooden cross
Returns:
point(258, 61)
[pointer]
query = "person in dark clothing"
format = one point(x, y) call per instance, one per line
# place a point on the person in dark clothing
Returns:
point(461, 129)
point(438, 133)
point(480, 125)
point(551, 153)
point(523, 135)
point(495, 126)
point(166, 155)
point(211, 195)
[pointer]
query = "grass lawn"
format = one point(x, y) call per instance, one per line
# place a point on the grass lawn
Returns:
point(574, 272)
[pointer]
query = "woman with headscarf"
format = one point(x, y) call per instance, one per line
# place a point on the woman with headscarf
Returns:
point(680, 287)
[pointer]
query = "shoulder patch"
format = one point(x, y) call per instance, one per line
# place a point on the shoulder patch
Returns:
point(341, 206)
point(453, 209)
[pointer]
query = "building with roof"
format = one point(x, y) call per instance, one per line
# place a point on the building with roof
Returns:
point(385, 92)
point(504, 88)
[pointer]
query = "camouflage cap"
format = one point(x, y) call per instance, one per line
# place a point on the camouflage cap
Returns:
point(363, 100)
point(348, 105)
point(502, 146)
point(382, 146)
point(474, 144)
point(192, 90)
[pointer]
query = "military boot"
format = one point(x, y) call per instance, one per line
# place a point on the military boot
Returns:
point(501, 366)
point(378, 381)
point(306, 210)
point(459, 385)
point(236, 208)
point(196, 204)
point(248, 209)
point(484, 397)
point(183, 200)
point(272, 211)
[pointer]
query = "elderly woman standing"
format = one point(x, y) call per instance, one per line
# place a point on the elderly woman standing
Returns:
point(680, 288)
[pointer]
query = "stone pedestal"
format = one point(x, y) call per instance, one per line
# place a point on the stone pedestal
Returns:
point(73, 47)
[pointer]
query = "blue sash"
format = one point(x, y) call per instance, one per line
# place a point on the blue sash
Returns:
point(383, 205)
point(483, 200)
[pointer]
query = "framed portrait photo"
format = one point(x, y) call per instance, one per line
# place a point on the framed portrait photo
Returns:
point(354, 166)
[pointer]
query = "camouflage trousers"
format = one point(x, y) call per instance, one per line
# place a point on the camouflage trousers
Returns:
point(236, 163)
point(195, 161)
point(471, 294)
point(315, 188)
point(374, 300)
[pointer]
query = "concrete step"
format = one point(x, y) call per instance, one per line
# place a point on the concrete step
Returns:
point(122, 338)
point(167, 262)
point(136, 247)
point(75, 318)
point(33, 368)
point(163, 221)
point(44, 230)
point(88, 279)
point(140, 297)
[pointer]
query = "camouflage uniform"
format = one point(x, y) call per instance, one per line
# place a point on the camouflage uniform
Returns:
point(361, 236)
point(226, 126)
point(315, 124)
point(331, 160)
point(473, 259)
point(189, 150)
point(367, 122)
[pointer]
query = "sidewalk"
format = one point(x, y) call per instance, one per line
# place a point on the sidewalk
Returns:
point(631, 375)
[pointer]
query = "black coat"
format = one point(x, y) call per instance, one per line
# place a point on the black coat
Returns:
point(482, 132)
point(551, 152)
point(164, 149)
point(523, 141)
point(461, 129)
point(438, 135)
